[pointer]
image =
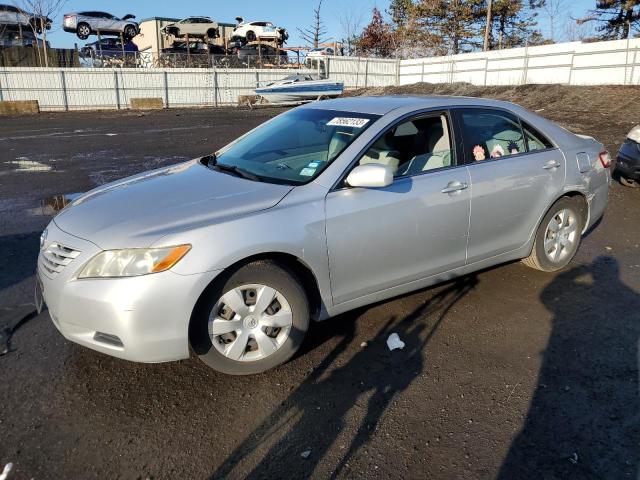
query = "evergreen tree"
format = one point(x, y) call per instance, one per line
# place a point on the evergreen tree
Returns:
point(617, 19)
point(400, 12)
point(448, 26)
point(513, 23)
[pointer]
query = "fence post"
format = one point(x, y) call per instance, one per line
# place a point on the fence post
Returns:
point(117, 87)
point(215, 87)
point(366, 72)
point(573, 56)
point(633, 65)
point(398, 72)
point(486, 68)
point(422, 74)
point(526, 65)
point(63, 84)
point(166, 89)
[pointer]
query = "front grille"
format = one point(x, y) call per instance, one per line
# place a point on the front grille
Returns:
point(56, 257)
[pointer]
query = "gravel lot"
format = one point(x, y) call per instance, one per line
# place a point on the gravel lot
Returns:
point(511, 373)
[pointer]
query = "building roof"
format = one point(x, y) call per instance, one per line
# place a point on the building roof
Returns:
point(170, 19)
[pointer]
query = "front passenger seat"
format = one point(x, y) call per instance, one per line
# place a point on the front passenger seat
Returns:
point(382, 152)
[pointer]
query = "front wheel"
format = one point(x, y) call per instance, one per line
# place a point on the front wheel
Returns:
point(251, 321)
point(558, 236)
point(251, 36)
point(629, 182)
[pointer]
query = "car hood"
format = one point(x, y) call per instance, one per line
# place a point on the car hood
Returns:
point(137, 211)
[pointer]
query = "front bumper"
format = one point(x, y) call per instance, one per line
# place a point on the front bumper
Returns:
point(628, 162)
point(142, 319)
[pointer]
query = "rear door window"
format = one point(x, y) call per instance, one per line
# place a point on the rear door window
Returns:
point(491, 134)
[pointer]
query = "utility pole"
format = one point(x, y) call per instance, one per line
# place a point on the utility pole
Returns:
point(487, 29)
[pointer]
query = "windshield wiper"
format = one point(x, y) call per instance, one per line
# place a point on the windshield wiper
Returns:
point(213, 164)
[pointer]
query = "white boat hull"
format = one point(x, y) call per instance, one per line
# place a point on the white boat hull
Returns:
point(300, 91)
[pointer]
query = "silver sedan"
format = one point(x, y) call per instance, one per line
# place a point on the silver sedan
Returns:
point(325, 208)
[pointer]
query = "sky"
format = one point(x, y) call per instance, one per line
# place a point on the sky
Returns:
point(286, 13)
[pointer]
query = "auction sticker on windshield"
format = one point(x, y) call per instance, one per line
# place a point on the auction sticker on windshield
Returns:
point(348, 122)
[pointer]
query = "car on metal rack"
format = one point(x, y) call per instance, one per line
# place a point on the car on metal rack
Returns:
point(12, 15)
point(194, 27)
point(253, 31)
point(87, 23)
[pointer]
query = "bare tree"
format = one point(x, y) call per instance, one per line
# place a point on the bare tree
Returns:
point(40, 12)
point(316, 33)
point(350, 25)
point(554, 10)
point(578, 31)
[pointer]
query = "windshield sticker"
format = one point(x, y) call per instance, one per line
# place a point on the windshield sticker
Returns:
point(314, 164)
point(307, 172)
point(348, 122)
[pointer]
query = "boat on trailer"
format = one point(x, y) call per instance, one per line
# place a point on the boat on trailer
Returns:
point(299, 88)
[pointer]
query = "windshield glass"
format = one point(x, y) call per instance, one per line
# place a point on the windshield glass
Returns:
point(295, 147)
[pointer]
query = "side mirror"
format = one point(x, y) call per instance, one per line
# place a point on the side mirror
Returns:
point(370, 175)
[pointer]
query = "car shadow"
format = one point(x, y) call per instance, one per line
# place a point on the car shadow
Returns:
point(322, 409)
point(584, 417)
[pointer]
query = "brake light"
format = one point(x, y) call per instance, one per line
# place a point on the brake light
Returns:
point(605, 159)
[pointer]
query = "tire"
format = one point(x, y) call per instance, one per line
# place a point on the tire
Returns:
point(129, 32)
point(252, 342)
point(629, 182)
point(251, 36)
point(558, 236)
point(212, 33)
point(83, 31)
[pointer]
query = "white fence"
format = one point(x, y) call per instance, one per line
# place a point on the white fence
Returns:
point(101, 88)
point(603, 63)
point(105, 88)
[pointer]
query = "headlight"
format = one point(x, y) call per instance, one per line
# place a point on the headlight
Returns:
point(634, 134)
point(133, 262)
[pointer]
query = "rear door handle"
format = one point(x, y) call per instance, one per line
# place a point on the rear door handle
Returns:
point(551, 165)
point(453, 187)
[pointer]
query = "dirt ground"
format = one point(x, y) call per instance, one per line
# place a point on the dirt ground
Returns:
point(509, 373)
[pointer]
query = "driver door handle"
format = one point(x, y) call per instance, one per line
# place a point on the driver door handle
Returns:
point(453, 187)
point(551, 165)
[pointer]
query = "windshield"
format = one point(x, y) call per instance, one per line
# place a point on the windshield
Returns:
point(295, 147)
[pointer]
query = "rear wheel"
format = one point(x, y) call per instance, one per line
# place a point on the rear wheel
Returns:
point(251, 321)
point(83, 31)
point(130, 32)
point(251, 36)
point(558, 236)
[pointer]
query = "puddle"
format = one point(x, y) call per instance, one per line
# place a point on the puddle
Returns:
point(52, 205)
point(25, 165)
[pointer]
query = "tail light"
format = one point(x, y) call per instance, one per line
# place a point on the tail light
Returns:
point(605, 159)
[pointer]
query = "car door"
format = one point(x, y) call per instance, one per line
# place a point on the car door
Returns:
point(187, 26)
point(515, 174)
point(380, 238)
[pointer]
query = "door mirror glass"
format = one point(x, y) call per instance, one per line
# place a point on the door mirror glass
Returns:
point(370, 176)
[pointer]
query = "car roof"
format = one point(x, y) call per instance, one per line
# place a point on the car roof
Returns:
point(381, 105)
